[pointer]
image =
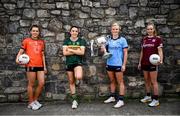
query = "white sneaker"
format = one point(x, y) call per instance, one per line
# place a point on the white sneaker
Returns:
point(109, 100)
point(154, 103)
point(33, 106)
point(74, 104)
point(146, 99)
point(119, 104)
point(37, 103)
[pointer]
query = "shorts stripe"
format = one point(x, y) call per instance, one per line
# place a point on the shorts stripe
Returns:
point(113, 68)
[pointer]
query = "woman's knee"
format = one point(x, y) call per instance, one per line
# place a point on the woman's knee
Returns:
point(71, 82)
point(41, 84)
point(154, 83)
point(78, 77)
point(30, 84)
point(112, 81)
point(78, 72)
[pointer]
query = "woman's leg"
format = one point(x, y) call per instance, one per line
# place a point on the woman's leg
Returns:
point(112, 97)
point(71, 81)
point(111, 76)
point(147, 80)
point(120, 80)
point(78, 72)
point(72, 89)
point(154, 82)
point(153, 76)
point(41, 81)
point(31, 78)
point(120, 98)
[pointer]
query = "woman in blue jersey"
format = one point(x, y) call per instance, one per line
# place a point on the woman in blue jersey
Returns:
point(116, 65)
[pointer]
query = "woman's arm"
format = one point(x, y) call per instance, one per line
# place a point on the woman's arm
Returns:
point(78, 51)
point(140, 59)
point(66, 51)
point(141, 54)
point(125, 51)
point(160, 52)
point(44, 62)
point(21, 51)
point(69, 51)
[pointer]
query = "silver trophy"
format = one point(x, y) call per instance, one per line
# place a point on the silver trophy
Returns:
point(101, 41)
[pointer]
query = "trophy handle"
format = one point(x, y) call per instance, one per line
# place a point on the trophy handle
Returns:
point(92, 48)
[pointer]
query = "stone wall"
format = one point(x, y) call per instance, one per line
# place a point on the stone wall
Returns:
point(93, 17)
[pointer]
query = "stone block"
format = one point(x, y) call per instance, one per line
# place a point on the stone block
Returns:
point(43, 13)
point(15, 90)
point(29, 13)
point(58, 96)
point(110, 11)
point(132, 12)
point(62, 5)
point(97, 13)
point(3, 98)
point(103, 90)
point(178, 62)
point(14, 98)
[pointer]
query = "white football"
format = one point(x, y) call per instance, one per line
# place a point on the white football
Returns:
point(23, 59)
point(154, 59)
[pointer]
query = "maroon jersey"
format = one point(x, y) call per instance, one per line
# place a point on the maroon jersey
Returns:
point(150, 46)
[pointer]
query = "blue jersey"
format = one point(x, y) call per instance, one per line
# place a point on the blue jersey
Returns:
point(115, 47)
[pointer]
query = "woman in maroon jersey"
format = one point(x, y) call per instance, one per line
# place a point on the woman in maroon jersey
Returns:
point(151, 44)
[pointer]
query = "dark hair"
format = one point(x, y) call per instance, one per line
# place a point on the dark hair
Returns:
point(36, 26)
point(74, 27)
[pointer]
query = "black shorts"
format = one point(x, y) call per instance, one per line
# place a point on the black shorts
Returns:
point(34, 69)
point(72, 66)
point(113, 68)
point(149, 67)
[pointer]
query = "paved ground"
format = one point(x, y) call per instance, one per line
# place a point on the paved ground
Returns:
point(132, 107)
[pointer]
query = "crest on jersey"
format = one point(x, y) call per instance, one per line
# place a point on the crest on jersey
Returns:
point(153, 40)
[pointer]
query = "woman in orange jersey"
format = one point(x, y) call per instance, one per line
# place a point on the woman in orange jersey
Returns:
point(36, 68)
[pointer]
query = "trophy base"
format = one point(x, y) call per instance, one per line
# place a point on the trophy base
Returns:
point(106, 55)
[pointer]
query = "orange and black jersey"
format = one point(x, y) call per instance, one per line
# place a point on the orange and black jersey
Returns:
point(34, 48)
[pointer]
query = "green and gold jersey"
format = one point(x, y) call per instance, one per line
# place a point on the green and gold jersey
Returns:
point(74, 59)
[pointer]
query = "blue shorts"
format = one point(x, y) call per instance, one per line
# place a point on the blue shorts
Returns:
point(34, 69)
point(149, 67)
point(113, 68)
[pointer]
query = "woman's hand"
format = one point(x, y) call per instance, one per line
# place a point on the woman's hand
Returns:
point(45, 70)
point(139, 66)
point(123, 68)
point(18, 62)
point(160, 62)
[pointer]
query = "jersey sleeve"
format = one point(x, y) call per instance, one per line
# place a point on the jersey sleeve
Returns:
point(83, 42)
point(159, 42)
point(65, 43)
point(24, 44)
point(43, 46)
point(125, 44)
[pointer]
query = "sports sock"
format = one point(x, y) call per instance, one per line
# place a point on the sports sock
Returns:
point(121, 97)
point(74, 97)
point(148, 94)
point(155, 97)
